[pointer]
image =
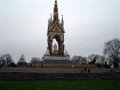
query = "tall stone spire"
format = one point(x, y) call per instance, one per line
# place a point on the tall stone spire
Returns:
point(55, 15)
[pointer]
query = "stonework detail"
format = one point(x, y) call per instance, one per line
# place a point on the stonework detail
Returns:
point(56, 58)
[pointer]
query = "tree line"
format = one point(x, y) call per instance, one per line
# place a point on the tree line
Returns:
point(7, 61)
point(111, 56)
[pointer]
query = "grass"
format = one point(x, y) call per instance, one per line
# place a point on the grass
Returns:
point(61, 85)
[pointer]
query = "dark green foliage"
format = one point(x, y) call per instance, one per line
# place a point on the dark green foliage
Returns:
point(61, 85)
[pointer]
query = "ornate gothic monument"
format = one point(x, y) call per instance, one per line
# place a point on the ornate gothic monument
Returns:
point(56, 51)
point(56, 31)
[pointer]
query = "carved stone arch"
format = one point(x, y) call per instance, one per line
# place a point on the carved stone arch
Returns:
point(60, 43)
point(57, 37)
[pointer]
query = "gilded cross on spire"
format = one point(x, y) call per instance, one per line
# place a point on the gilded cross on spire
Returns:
point(55, 11)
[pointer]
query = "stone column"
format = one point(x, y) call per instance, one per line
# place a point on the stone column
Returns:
point(50, 47)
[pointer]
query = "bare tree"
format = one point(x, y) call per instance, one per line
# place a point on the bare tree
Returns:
point(79, 60)
point(2, 61)
point(35, 60)
point(112, 51)
point(6, 60)
point(97, 58)
point(92, 58)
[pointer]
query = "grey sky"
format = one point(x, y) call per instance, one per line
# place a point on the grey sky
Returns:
point(88, 24)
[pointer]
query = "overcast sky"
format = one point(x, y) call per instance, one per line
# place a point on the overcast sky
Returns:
point(88, 25)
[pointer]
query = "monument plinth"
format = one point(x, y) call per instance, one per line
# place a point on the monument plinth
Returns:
point(56, 32)
point(47, 56)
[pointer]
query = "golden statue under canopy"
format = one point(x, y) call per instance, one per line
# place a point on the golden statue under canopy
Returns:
point(55, 47)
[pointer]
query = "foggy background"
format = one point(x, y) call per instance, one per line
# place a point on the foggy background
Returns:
point(88, 25)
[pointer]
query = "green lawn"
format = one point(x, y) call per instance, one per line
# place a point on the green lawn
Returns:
point(61, 85)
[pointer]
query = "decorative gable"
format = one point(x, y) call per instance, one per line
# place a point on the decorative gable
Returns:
point(56, 27)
